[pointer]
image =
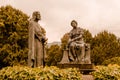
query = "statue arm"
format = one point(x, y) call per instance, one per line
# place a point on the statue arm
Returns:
point(80, 35)
point(77, 38)
point(40, 35)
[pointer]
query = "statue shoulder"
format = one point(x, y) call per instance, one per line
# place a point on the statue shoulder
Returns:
point(31, 22)
point(80, 28)
point(71, 31)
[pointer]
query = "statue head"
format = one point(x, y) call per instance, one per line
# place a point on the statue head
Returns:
point(74, 24)
point(36, 16)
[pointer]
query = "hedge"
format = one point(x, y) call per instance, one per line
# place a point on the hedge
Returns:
point(39, 73)
point(110, 72)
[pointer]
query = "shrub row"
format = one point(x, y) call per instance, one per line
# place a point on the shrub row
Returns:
point(40, 73)
point(110, 72)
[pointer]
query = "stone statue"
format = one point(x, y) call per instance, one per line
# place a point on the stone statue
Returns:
point(77, 52)
point(76, 43)
point(36, 41)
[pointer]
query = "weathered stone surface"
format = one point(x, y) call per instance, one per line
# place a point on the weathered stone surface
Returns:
point(77, 53)
point(35, 41)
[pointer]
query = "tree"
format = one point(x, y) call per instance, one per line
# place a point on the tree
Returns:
point(87, 36)
point(104, 46)
point(13, 36)
point(64, 40)
point(114, 60)
point(53, 55)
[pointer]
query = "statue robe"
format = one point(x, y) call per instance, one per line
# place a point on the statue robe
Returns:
point(35, 54)
point(78, 44)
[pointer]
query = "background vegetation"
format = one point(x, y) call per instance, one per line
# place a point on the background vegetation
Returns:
point(114, 60)
point(13, 36)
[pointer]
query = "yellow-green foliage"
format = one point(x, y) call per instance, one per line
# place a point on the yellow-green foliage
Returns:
point(110, 72)
point(104, 46)
point(39, 73)
point(114, 60)
point(13, 36)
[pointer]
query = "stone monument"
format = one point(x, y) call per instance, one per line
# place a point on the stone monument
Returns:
point(36, 42)
point(77, 52)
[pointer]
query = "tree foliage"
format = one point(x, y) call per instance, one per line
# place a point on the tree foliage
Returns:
point(53, 55)
point(114, 60)
point(13, 36)
point(104, 46)
point(64, 40)
point(87, 36)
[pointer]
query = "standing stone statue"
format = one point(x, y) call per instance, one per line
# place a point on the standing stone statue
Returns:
point(36, 41)
point(76, 43)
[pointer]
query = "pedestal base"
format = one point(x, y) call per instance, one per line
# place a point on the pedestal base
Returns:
point(83, 68)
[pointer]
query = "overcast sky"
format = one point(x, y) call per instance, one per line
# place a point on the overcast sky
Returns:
point(94, 15)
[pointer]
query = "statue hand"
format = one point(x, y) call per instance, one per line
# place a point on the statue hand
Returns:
point(71, 40)
point(44, 39)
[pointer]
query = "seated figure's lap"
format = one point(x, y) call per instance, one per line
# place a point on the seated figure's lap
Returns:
point(82, 50)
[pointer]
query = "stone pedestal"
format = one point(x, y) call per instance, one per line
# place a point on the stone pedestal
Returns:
point(65, 58)
point(84, 68)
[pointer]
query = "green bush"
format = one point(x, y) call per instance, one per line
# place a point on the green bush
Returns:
point(13, 36)
point(114, 60)
point(110, 72)
point(39, 73)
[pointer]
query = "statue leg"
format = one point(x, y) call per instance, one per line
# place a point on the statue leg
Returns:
point(81, 54)
point(72, 50)
point(35, 48)
point(39, 54)
point(87, 54)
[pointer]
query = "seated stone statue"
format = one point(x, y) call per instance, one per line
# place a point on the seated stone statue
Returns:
point(76, 45)
point(76, 42)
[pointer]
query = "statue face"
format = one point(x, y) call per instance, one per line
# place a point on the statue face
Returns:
point(74, 24)
point(36, 15)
